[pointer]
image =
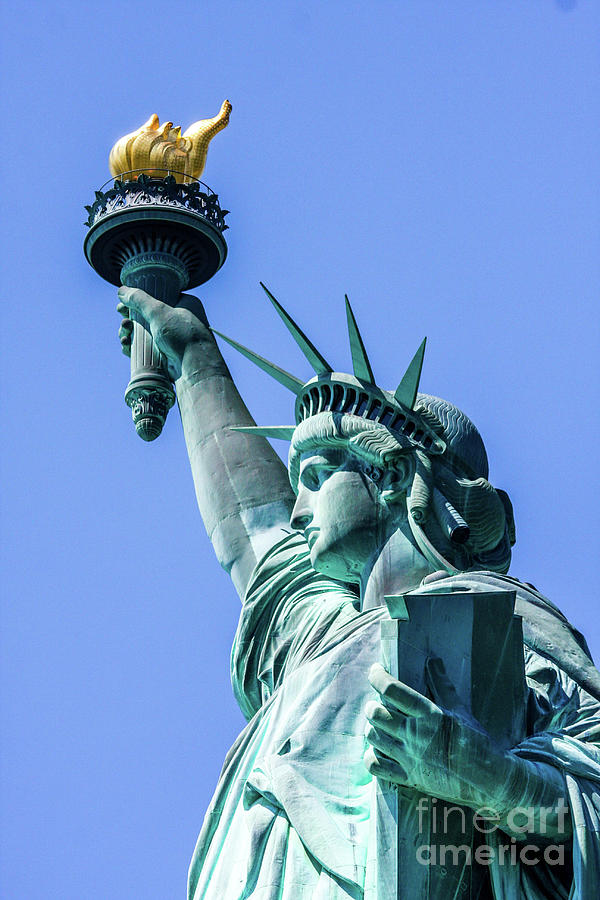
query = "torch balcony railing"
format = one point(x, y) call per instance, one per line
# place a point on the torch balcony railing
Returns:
point(140, 187)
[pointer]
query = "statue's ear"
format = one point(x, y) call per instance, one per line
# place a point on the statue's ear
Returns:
point(421, 488)
point(398, 478)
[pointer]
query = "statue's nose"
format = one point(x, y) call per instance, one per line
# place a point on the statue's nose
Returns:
point(302, 513)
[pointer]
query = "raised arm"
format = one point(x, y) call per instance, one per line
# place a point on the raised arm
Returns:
point(242, 486)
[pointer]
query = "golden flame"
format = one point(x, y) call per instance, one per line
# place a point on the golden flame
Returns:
point(155, 147)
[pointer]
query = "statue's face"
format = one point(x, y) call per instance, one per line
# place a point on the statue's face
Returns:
point(339, 510)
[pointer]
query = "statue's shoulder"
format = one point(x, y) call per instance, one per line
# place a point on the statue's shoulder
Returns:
point(484, 580)
point(546, 630)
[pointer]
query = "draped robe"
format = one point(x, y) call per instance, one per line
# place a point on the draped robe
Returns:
point(290, 818)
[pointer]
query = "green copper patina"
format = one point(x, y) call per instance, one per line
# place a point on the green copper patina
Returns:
point(468, 765)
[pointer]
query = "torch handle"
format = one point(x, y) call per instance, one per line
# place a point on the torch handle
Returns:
point(144, 352)
point(150, 393)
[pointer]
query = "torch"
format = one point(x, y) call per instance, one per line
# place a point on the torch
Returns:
point(157, 227)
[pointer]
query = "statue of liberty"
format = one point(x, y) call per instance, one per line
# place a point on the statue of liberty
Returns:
point(385, 493)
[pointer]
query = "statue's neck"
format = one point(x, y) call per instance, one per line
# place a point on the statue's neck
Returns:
point(399, 568)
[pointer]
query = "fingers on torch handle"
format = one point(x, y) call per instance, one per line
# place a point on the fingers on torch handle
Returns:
point(139, 301)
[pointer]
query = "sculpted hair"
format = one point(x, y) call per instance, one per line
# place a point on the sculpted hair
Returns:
point(450, 491)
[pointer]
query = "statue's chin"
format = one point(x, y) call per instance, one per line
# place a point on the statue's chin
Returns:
point(333, 563)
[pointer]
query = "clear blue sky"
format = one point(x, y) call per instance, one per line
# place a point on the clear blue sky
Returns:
point(436, 160)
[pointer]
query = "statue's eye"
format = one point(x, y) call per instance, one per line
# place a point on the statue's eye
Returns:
point(314, 476)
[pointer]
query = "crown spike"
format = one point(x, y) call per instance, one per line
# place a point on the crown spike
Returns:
point(406, 392)
point(320, 365)
point(277, 432)
point(360, 360)
point(288, 380)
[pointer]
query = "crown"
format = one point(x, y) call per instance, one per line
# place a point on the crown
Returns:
point(159, 148)
point(355, 395)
